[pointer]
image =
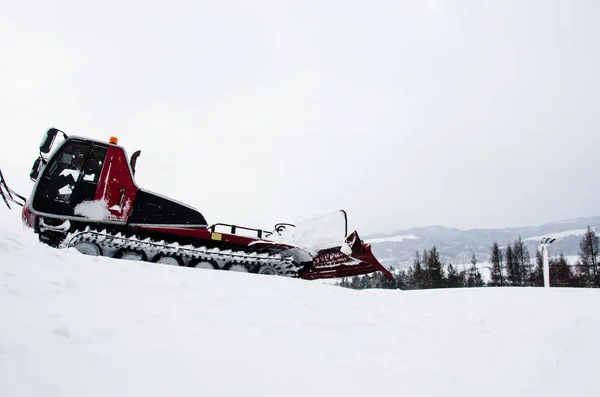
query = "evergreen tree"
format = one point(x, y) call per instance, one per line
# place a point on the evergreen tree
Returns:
point(496, 277)
point(356, 283)
point(344, 282)
point(454, 279)
point(425, 282)
point(373, 280)
point(417, 279)
point(370, 281)
point(463, 277)
point(474, 278)
point(560, 272)
point(522, 262)
point(588, 257)
point(386, 283)
point(435, 271)
point(477, 279)
point(512, 268)
point(410, 278)
point(538, 271)
point(402, 279)
point(526, 263)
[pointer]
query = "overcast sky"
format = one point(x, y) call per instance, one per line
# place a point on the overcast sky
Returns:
point(405, 113)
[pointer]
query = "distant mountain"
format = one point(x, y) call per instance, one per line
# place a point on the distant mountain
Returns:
point(456, 246)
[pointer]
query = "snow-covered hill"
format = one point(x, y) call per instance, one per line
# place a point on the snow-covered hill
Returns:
point(73, 325)
point(456, 246)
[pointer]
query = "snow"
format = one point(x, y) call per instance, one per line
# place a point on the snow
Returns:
point(74, 326)
point(93, 209)
point(395, 239)
point(65, 190)
point(559, 235)
point(346, 249)
point(74, 173)
point(315, 233)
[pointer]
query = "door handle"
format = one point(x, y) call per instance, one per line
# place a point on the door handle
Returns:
point(123, 191)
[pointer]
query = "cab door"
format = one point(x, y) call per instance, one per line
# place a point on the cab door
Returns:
point(116, 188)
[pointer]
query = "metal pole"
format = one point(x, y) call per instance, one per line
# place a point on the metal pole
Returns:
point(544, 247)
point(546, 266)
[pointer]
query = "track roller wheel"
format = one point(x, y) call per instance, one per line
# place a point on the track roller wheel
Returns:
point(236, 267)
point(132, 255)
point(88, 248)
point(269, 269)
point(168, 260)
point(203, 264)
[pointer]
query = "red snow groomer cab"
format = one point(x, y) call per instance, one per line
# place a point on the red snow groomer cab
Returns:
point(85, 197)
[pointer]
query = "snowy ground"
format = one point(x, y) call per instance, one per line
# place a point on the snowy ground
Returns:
point(77, 326)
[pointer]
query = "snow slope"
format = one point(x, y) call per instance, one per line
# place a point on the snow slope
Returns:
point(559, 235)
point(394, 239)
point(73, 325)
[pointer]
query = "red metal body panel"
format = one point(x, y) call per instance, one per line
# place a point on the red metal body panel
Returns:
point(200, 233)
point(335, 263)
point(345, 271)
point(116, 186)
point(26, 216)
point(203, 233)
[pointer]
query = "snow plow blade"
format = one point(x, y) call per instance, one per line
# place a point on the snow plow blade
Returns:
point(353, 258)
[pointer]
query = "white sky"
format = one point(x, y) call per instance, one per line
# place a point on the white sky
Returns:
point(404, 113)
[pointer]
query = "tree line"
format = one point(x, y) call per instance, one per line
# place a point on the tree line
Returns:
point(512, 265)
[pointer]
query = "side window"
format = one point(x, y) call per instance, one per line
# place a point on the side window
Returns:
point(65, 171)
point(69, 161)
point(93, 168)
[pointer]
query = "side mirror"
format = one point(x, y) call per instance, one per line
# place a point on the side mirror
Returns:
point(48, 139)
point(37, 167)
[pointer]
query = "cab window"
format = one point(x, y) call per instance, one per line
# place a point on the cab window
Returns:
point(93, 168)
